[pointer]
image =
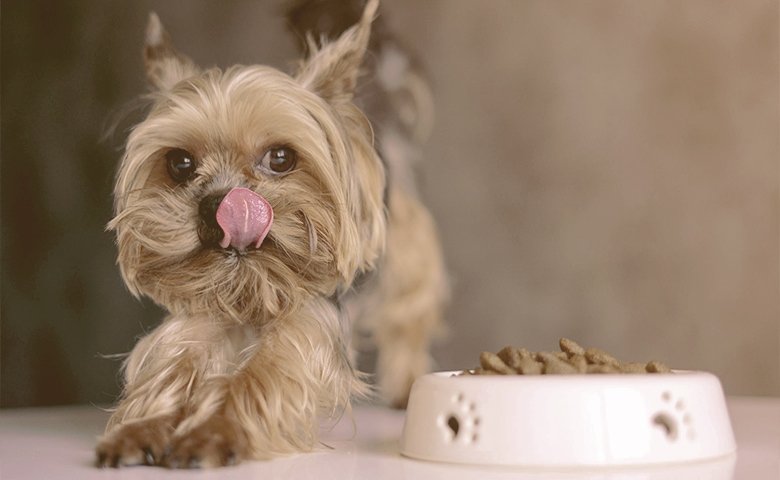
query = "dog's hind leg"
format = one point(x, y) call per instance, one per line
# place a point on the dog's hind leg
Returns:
point(412, 289)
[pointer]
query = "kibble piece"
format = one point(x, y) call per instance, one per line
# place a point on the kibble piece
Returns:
point(525, 353)
point(553, 364)
point(600, 357)
point(529, 366)
point(657, 367)
point(510, 356)
point(491, 361)
point(547, 357)
point(559, 367)
point(571, 347)
point(579, 362)
point(633, 367)
point(602, 368)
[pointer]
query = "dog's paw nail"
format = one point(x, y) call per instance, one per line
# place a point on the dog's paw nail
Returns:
point(193, 462)
point(149, 456)
point(101, 460)
point(114, 462)
point(231, 458)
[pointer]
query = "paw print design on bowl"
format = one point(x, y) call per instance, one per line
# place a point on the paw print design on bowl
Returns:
point(674, 419)
point(461, 423)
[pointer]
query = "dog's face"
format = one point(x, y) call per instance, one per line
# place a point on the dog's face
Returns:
point(246, 191)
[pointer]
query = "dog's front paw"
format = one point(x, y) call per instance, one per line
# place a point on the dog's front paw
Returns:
point(141, 442)
point(217, 442)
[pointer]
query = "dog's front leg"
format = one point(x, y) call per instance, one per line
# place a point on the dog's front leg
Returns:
point(161, 373)
point(299, 368)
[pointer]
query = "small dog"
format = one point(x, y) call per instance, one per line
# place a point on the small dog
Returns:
point(254, 207)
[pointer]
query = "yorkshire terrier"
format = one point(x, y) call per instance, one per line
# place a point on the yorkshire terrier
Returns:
point(256, 209)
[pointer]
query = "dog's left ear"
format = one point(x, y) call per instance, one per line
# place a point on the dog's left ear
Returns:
point(332, 70)
point(165, 66)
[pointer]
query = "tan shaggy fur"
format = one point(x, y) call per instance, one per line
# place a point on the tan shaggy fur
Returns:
point(256, 348)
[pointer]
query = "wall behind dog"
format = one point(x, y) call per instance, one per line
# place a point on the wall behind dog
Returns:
point(602, 170)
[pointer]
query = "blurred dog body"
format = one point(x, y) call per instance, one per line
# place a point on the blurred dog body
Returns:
point(400, 309)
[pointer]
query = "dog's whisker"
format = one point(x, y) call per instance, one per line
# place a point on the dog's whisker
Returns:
point(312, 234)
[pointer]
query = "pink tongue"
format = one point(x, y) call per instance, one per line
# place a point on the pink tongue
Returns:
point(245, 217)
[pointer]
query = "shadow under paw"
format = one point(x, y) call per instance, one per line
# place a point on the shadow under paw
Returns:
point(138, 443)
point(215, 443)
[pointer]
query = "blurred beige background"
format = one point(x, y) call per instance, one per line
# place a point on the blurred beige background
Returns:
point(603, 170)
point(608, 170)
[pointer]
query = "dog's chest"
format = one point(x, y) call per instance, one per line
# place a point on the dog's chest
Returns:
point(235, 348)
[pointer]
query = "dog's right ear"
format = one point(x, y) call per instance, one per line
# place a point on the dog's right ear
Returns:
point(165, 66)
point(332, 70)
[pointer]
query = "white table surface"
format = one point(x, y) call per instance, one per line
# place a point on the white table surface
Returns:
point(57, 443)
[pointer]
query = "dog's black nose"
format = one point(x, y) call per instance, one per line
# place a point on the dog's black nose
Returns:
point(209, 231)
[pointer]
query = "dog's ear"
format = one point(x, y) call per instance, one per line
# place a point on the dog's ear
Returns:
point(165, 66)
point(332, 70)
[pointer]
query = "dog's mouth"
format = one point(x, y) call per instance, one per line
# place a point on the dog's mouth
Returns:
point(237, 221)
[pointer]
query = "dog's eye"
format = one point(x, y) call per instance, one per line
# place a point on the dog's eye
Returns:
point(278, 160)
point(181, 164)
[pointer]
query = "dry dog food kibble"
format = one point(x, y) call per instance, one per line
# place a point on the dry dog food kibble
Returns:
point(571, 359)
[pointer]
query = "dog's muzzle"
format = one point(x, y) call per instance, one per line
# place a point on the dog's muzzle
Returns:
point(239, 219)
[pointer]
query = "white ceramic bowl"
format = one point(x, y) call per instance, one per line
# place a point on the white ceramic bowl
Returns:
point(567, 420)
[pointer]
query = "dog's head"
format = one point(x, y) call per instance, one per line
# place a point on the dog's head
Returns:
point(246, 191)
